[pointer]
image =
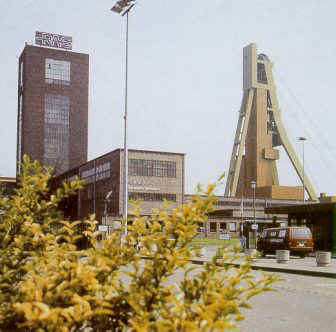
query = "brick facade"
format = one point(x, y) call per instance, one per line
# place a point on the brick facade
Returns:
point(32, 90)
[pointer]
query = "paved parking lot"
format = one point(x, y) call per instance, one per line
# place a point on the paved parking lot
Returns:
point(298, 304)
point(296, 265)
point(301, 304)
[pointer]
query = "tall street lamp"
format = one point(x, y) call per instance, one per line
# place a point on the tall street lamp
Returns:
point(123, 7)
point(253, 186)
point(303, 139)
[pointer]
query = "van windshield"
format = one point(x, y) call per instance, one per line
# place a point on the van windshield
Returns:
point(302, 233)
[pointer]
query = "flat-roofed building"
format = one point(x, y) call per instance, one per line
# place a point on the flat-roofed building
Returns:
point(7, 185)
point(153, 176)
point(233, 215)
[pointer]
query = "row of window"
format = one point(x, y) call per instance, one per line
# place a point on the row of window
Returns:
point(159, 168)
point(246, 204)
point(296, 233)
point(261, 73)
point(231, 203)
point(155, 197)
point(102, 171)
point(223, 226)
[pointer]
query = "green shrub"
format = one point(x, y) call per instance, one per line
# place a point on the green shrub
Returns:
point(47, 285)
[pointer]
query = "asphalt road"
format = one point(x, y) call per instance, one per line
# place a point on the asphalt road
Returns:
point(301, 303)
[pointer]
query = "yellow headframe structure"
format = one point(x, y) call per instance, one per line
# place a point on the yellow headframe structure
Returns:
point(259, 131)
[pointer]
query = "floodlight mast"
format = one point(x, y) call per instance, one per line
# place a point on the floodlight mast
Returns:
point(303, 139)
point(123, 7)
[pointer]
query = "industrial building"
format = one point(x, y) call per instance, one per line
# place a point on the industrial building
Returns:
point(153, 177)
point(52, 123)
point(53, 128)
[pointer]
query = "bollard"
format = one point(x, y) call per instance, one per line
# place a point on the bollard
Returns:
point(282, 256)
point(323, 258)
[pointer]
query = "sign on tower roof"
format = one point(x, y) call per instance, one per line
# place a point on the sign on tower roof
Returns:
point(53, 40)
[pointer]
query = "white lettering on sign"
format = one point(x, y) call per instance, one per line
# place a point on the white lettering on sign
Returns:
point(140, 184)
point(144, 188)
point(53, 40)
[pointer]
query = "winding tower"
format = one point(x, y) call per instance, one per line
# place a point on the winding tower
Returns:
point(259, 132)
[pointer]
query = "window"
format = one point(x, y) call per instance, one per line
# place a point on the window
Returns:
point(57, 72)
point(262, 78)
point(222, 225)
point(158, 168)
point(303, 233)
point(155, 197)
point(232, 226)
point(282, 233)
point(56, 131)
point(213, 227)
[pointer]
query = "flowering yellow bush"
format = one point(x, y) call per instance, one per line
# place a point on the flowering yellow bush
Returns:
point(48, 285)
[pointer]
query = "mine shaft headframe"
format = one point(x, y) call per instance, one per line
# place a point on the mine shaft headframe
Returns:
point(258, 81)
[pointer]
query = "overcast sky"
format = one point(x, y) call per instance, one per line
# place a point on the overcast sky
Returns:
point(185, 76)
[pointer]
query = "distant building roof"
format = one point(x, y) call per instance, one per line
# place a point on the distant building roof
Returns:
point(7, 179)
point(302, 208)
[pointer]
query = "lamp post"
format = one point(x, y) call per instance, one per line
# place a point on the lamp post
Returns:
point(303, 139)
point(253, 186)
point(106, 201)
point(123, 7)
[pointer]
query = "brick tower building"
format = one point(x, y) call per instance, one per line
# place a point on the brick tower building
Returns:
point(53, 107)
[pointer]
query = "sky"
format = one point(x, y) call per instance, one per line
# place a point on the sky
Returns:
point(185, 76)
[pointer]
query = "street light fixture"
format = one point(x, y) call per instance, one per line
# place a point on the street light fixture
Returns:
point(303, 139)
point(253, 186)
point(123, 7)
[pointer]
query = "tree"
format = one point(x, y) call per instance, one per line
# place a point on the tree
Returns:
point(48, 285)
